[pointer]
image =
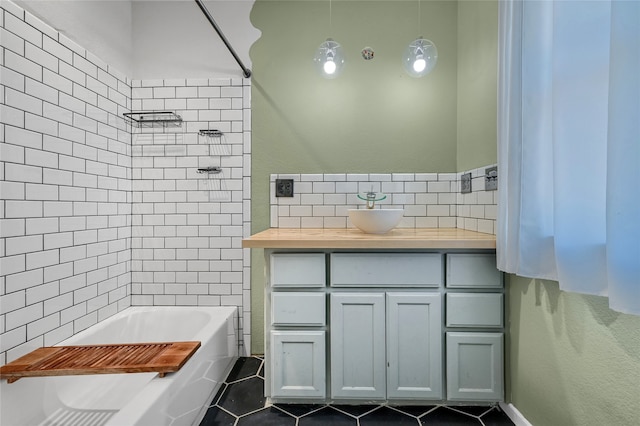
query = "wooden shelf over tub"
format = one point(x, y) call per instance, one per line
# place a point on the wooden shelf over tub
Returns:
point(162, 358)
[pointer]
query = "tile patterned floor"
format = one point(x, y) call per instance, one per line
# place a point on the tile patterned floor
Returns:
point(241, 402)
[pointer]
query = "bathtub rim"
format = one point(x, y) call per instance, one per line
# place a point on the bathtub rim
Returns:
point(74, 339)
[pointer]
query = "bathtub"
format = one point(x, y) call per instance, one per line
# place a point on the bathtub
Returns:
point(133, 399)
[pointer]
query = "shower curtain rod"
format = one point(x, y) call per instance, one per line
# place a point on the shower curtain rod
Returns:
point(246, 72)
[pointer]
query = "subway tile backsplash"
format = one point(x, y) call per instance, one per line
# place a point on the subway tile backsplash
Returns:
point(95, 215)
point(430, 200)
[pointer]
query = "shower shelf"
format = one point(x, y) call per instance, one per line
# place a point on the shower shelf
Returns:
point(153, 119)
point(214, 133)
point(210, 170)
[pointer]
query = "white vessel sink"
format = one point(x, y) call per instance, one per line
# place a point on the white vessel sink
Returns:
point(375, 221)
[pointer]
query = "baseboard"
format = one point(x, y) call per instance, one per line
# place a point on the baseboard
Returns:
point(516, 416)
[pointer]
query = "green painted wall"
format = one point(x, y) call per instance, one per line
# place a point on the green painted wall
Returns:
point(477, 84)
point(573, 360)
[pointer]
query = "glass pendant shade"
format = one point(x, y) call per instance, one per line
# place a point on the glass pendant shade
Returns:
point(329, 59)
point(420, 57)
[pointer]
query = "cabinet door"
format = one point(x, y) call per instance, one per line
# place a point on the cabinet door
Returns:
point(298, 364)
point(475, 367)
point(414, 346)
point(358, 345)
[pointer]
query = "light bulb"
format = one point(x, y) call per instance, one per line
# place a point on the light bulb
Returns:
point(419, 65)
point(329, 66)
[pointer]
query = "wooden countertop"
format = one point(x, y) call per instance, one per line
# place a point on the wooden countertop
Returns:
point(352, 238)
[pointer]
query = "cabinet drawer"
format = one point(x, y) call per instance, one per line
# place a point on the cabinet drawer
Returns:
point(297, 270)
point(476, 270)
point(474, 310)
point(386, 269)
point(305, 309)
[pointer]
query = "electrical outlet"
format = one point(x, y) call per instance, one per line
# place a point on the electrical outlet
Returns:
point(284, 187)
point(491, 178)
point(465, 183)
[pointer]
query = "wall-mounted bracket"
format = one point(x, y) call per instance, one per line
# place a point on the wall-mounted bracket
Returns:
point(210, 170)
point(214, 133)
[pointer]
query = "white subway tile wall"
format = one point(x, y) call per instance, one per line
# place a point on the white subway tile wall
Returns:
point(430, 200)
point(477, 210)
point(65, 217)
point(188, 226)
point(87, 202)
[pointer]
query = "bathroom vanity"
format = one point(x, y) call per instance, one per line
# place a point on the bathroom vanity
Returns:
point(412, 316)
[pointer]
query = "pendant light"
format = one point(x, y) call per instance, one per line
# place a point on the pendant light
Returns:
point(329, 57)
point(421, 56)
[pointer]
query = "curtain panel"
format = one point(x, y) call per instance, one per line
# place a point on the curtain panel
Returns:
point(569, 145)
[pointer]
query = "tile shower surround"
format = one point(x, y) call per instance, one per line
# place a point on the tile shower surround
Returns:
point(95, 216)
point(187, 226)
point(430, 200)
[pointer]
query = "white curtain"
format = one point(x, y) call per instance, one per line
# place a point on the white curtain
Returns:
point(569, 145)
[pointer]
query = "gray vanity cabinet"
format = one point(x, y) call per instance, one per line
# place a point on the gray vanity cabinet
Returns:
point(379, 326)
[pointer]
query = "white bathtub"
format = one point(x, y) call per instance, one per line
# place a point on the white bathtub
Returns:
point(133, 399)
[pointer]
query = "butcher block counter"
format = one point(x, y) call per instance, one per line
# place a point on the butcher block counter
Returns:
point(351, 238)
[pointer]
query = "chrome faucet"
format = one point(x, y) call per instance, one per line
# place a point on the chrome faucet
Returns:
point(371, 198)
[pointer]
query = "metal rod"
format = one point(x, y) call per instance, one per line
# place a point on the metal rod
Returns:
point(246, 72)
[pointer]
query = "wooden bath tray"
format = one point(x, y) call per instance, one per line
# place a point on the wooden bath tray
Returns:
point(161, 358)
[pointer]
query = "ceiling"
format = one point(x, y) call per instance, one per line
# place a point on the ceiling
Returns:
point(155, 38)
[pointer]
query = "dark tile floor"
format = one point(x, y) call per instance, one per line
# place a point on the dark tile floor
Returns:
point(241, 402)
